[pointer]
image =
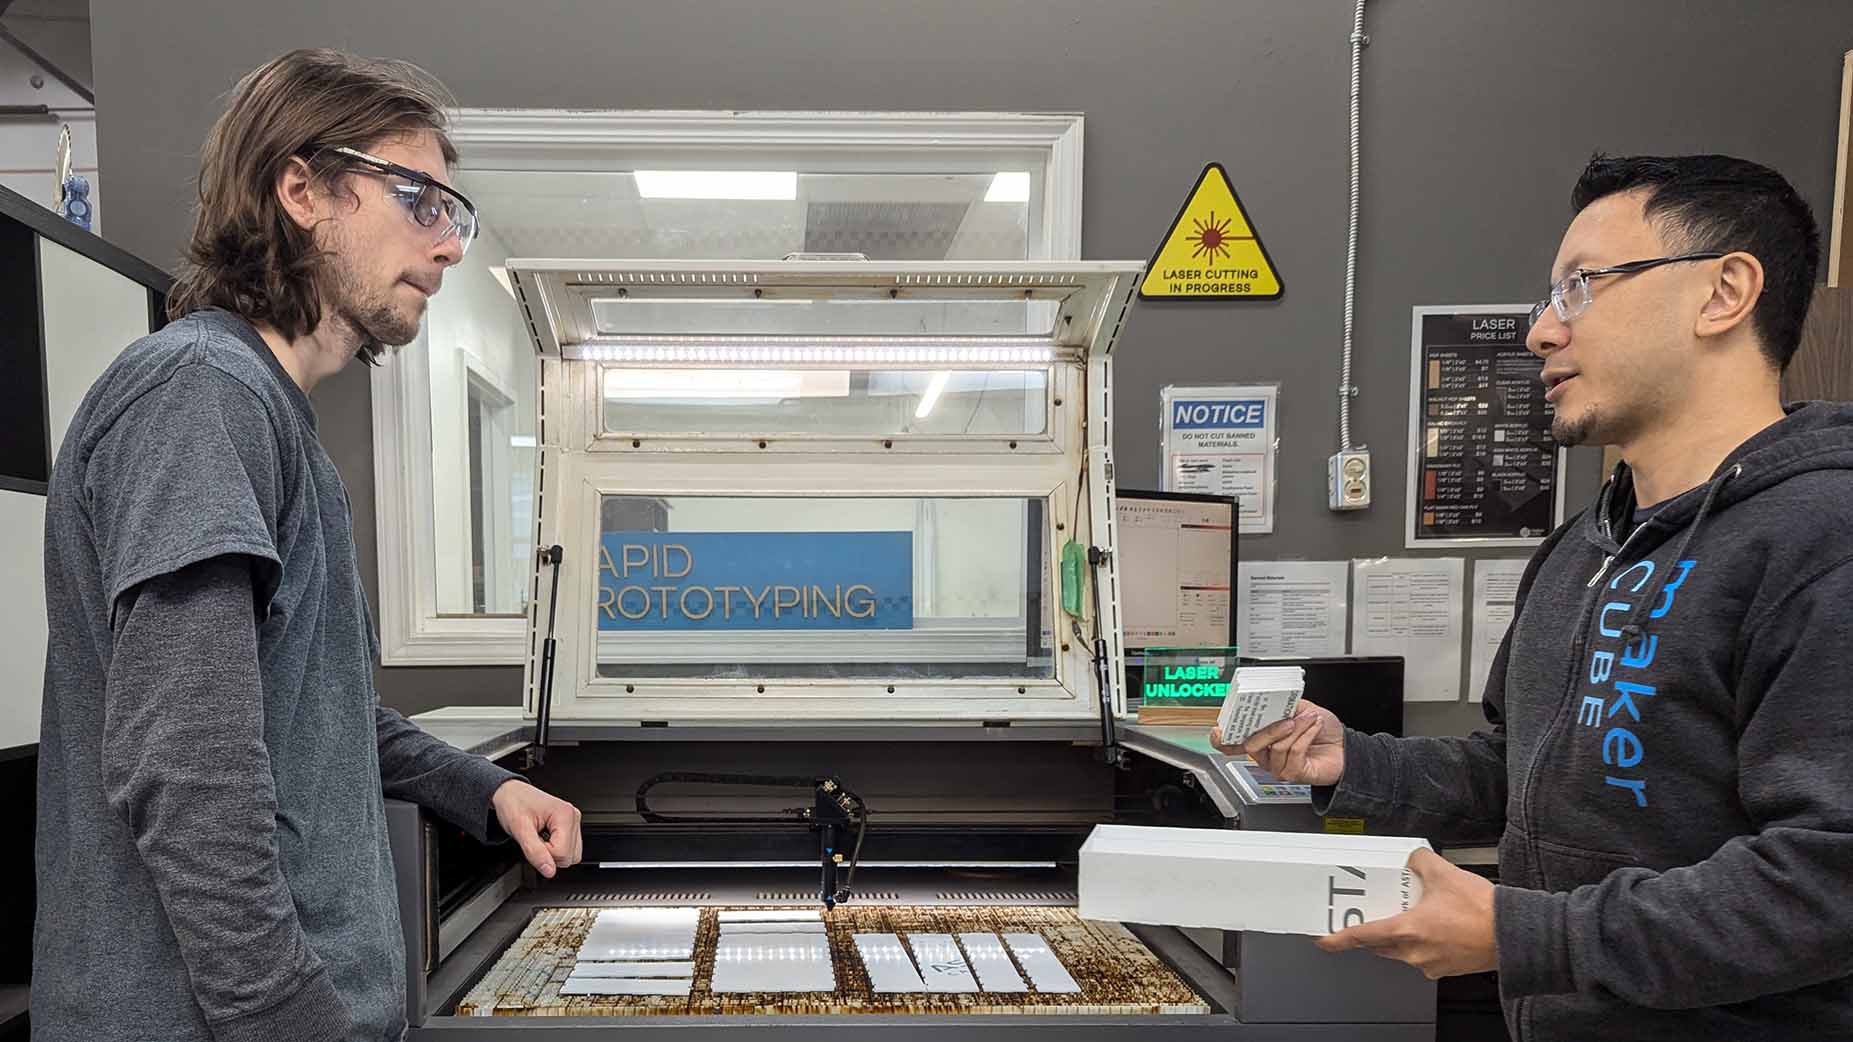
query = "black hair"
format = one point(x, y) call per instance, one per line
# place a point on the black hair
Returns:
point(1722, 203)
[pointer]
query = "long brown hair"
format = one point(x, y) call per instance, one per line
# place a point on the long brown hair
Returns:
point(246, 254)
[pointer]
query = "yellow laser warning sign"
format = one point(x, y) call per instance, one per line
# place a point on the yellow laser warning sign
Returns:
point(1212, 251)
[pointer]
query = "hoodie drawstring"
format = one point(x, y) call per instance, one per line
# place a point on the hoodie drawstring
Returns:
point(1636, 626)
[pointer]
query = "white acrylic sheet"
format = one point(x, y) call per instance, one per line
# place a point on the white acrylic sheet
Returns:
point(622, 986)
point(1046, 972)
point(992, 963)
point(773, 962)
point(889, 966)
point(942, 967)
point(734, 929)
point(771, 915)
point(626, 934)
point(638, 970)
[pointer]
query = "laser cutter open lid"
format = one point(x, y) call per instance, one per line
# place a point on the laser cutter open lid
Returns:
point(651, 310)
point(821, 492)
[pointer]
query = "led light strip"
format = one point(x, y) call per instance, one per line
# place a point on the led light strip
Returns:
point(665, 354)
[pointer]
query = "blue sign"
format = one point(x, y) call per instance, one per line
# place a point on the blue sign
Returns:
point(756, 581)
point(1229, 414)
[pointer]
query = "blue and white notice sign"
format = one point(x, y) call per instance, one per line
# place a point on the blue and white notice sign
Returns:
point(1220, 441)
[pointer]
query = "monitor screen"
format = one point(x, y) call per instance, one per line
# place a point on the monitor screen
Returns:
point(1365, 692)
point(1176, 569)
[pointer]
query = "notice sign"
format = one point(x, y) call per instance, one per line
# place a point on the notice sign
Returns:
point(1212, 251)
point(1220, 441)
point(756, 581)
point(1483, 469)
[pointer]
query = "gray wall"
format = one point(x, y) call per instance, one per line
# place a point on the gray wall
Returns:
point(1478, 114)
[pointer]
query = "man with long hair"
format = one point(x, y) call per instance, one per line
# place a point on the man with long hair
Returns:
point(211, 851)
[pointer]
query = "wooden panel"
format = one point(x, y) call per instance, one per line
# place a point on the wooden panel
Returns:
point(1823, 368)
point(1839, 264)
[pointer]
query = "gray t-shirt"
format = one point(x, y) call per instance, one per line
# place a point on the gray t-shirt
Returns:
point(211, 848)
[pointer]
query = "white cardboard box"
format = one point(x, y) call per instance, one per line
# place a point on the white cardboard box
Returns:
point(1272, 882)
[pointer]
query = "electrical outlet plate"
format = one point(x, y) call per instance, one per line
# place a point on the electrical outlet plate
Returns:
point(1347, 480)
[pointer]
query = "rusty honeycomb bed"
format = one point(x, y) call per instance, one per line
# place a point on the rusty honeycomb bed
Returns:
point(1117, 974)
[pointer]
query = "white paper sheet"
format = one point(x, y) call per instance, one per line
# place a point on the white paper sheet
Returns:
point(1291, 607)
point(1495, 595)
point(1412, 607)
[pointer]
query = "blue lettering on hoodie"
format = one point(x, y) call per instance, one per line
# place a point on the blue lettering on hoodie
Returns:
point(1615, 669)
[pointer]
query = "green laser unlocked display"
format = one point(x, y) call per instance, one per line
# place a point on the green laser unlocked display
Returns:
point(1187, 676)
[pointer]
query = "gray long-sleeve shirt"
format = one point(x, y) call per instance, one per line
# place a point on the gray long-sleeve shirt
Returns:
point(211, 833)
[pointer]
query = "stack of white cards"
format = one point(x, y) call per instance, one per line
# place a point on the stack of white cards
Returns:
point(1273, 882)
point(1259, 696)
point(636, 951)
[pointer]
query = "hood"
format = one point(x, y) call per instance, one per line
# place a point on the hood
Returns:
point(1811, 436)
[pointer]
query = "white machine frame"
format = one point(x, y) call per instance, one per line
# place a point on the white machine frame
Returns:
point(1087, 305)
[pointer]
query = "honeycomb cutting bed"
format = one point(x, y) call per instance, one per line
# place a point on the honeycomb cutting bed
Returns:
point(1117, 974)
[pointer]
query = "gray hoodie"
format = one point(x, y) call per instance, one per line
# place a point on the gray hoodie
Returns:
point(1670, 759)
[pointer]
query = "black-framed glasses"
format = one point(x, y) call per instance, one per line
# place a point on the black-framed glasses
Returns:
point(1570, 295)
point(429, 202)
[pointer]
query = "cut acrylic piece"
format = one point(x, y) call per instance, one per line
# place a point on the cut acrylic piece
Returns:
point(634, 969)
point(625, 934)
point(1046, 972)
point(941, 965)
point(991, 963)
point(744, 929)
point(772, 915)
point(622, 986)
point(638, 947)
point(890, 968)
point(773, 962)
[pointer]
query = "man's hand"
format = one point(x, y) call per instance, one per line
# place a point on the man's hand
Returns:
point(1449, 932)
point(546, 827)
point(1307, 747)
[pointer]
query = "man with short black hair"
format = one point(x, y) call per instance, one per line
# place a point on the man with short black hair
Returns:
point(1668, 758)
point(211, 850)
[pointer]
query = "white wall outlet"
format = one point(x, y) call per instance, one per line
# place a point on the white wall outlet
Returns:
point(1347, 480)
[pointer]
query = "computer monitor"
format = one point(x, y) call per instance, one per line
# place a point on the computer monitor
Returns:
point(1176, 565)
point(1365, 692)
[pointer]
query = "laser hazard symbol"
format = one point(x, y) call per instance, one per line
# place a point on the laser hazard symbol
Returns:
point(1212, 251)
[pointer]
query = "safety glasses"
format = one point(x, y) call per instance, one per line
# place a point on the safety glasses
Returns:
point(430, 203)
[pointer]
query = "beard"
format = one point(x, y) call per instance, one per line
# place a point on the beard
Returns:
point(1597, 426)
point(376, 318)
point(1571, 431)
